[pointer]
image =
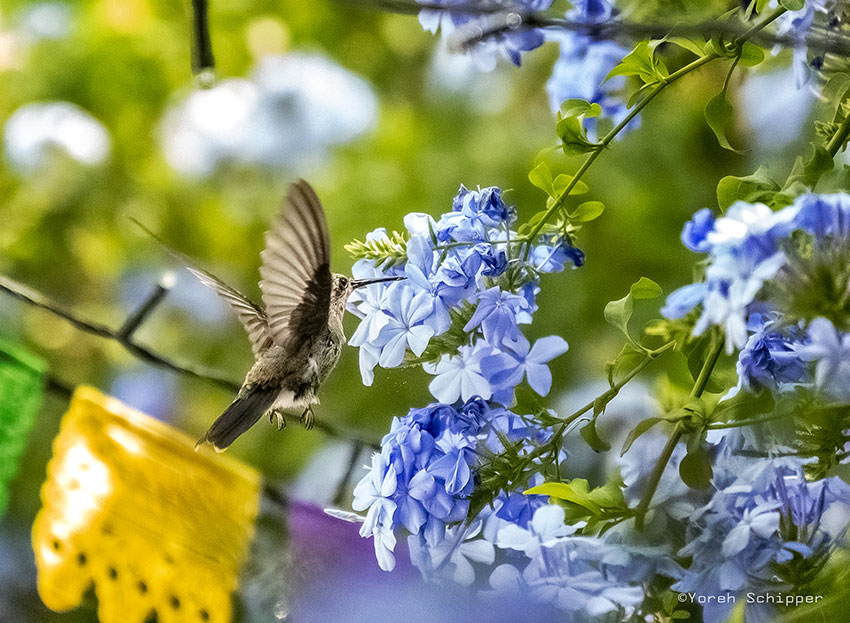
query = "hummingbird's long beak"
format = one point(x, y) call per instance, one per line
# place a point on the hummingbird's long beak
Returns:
point(359, 283)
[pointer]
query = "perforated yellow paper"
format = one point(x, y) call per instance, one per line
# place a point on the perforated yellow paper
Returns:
point(131, 507)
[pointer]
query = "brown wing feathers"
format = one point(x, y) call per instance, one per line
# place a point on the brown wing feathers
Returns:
point(296, 279)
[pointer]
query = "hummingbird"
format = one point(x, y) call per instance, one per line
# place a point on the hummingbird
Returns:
point(296, 335)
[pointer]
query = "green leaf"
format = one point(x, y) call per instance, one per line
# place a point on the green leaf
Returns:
point(563, 180)
point(587, 211)
point(580, 108)
point(641, 62)
point(807, 172)
point(755, 188)
point(743, 406)
point(599, 502)
point(751, 54)
point(645, 288)
point(619, 312)
point(639, 430)
point(628, 357)
point(576, 491)
point(792, 5)
point(574, 139)
point(691, 45)
point(591, 437)
point(718, 114)
point(695, 468)
point(541, 177)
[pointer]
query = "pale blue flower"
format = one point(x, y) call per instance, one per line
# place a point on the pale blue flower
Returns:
point(404, 328)
point(829, 349)
point(498, 313)
point(583, 66)
point(509, 44)
point(824, 216)
point(696, 230)
point(544, 530)
point(474, 213)
point(681, 301)
point(374, 492)
point(459, 377)
point(759, 522)
point(453, 555)
point(769, 357)
point(551, 258)
point(505, 369)
point(763, 515)
point(569, 573)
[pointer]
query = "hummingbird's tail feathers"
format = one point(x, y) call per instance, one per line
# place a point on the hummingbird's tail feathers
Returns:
point(241, 415)
point(252, 317)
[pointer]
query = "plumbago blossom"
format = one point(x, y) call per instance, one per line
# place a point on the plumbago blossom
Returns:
point(765, 527)
point(509, 45)
point(776, 283)
point(470, 287)
point(800, 24)
point(749, 250)
point(582, 69)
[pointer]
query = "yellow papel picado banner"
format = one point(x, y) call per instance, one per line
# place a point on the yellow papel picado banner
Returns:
point(131, 508)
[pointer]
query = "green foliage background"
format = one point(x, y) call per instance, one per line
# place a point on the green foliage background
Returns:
point(65, 230)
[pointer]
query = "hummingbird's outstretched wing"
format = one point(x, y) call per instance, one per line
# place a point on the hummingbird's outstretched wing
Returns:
point(296, 277)
point(250, 315)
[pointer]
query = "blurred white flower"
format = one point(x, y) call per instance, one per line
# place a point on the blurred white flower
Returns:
point(766, 97)
point(45, 20)
point(34, 130)
point(288, 113)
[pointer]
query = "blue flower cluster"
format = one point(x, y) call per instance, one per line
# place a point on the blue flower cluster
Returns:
point(423, 476)
point(798, 25)
point(748, 248)
point(583, 576)
point(764, 518)
point(470, 257)
point(583, 65)
point(468, 270)
point(581, 69)
point(509, 44)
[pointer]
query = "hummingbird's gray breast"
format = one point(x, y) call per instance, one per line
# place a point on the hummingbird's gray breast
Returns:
point(301, 371)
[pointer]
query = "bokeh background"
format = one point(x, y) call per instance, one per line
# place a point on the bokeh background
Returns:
point(102, 122)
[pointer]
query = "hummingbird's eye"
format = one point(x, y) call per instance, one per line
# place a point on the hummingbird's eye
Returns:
point(343, 282)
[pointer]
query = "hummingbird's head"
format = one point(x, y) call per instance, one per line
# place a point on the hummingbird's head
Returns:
point(343, 286)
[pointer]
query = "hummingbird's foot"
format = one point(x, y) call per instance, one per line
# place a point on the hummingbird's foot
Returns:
point(307, 418)
point(277, 417)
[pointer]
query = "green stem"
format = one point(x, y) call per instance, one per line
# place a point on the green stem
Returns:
point(839, 138)
point(609, 395)
point(606, 140)
point(707, 367)
point(655, 477)
point(747, 422)
point(676, 435)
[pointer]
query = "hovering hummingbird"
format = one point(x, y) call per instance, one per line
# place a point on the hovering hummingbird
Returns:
point(297, 335)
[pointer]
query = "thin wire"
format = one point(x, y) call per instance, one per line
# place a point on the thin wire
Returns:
point(124, 337)
point(505, 17)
